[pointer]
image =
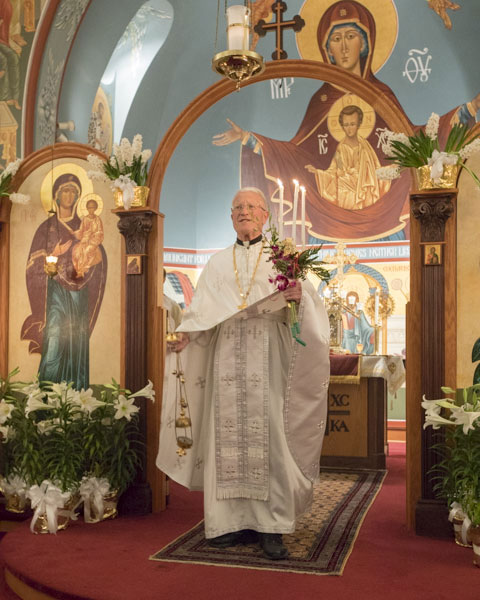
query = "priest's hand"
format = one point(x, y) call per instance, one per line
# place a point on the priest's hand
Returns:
point(293, 293)
point(180, 343)
point(234, 134)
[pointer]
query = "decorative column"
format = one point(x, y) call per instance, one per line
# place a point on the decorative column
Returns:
point(5, 207)
point(135, 226)
point(432, 209)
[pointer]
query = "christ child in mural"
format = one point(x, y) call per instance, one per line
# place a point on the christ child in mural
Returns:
point(351, 181)
point(345, 37)
point(64, 307)
point(87, 253)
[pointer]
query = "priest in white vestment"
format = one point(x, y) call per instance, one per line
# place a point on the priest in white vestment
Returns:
point(257, 398)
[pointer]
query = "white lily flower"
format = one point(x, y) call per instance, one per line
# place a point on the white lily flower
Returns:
point(34, 403)
point(87, 401)
point(5, 411)
point(146, 392)
point(435, 421)
point(125, 407)
point(465, 418)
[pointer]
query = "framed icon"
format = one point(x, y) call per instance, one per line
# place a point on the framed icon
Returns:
point(433, 254)
point(134, 264)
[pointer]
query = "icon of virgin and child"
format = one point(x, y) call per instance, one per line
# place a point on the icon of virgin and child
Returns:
point(64, 308)
point(338, 145)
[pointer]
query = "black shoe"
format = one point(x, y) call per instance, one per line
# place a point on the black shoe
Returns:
point(272, 546)
point(245, 536)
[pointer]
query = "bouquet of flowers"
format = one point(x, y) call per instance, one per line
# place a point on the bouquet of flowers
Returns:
point(5, 180)
point(126, 168)
point(291, 265)
point(423, 149)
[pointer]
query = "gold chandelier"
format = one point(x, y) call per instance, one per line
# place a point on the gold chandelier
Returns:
point(238, 63)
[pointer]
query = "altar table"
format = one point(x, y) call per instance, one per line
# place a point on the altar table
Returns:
point(356, 430)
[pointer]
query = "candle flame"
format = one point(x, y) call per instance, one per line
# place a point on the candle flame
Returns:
point(279, 181)
point(295, 182)
point(302, 187)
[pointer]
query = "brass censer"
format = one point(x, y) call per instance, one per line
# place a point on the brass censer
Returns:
point(183, 421)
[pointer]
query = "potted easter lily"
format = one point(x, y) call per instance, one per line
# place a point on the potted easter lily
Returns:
point(111, 446)
point(435, 167)
point(458, 472)
point(126, 169)
point(63, 447)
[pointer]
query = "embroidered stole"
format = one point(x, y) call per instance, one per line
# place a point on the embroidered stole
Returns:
point(241, 394)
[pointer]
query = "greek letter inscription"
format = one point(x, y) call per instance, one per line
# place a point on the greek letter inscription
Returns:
point(417, 65)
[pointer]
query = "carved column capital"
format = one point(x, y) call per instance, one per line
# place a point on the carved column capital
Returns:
point(135, 228)
point(432, 210)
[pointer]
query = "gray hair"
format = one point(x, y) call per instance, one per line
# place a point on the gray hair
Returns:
point(252, 190)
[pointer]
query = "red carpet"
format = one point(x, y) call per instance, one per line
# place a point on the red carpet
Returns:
point(109, 561)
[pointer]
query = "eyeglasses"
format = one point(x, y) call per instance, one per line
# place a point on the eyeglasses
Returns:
point(248, 207)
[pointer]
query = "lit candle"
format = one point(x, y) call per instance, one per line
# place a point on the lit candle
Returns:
point(294, 214)
point(237, 28)
point(326, 292)
point(302, 216)
point(280, 209)
point(376, 307)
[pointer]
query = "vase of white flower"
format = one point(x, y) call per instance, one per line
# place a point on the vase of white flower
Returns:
point(126, 169)
point(435, 168)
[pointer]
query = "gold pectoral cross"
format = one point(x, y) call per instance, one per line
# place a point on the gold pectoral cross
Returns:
point(242, 305)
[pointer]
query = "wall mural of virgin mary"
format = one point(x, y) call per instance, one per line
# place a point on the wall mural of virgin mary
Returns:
point(64, 308)
point(338, 145)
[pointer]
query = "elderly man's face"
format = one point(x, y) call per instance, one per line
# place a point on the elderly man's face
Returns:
point(249, 215)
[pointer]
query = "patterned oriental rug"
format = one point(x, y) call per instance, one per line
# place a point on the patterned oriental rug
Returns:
point(322, 542)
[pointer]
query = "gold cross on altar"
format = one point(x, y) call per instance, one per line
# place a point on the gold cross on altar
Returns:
point(261, 28)
point(340, 258)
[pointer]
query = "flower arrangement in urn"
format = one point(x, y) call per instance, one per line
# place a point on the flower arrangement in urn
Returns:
point(435, 168)
point(64, 447)
point(127, 169)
